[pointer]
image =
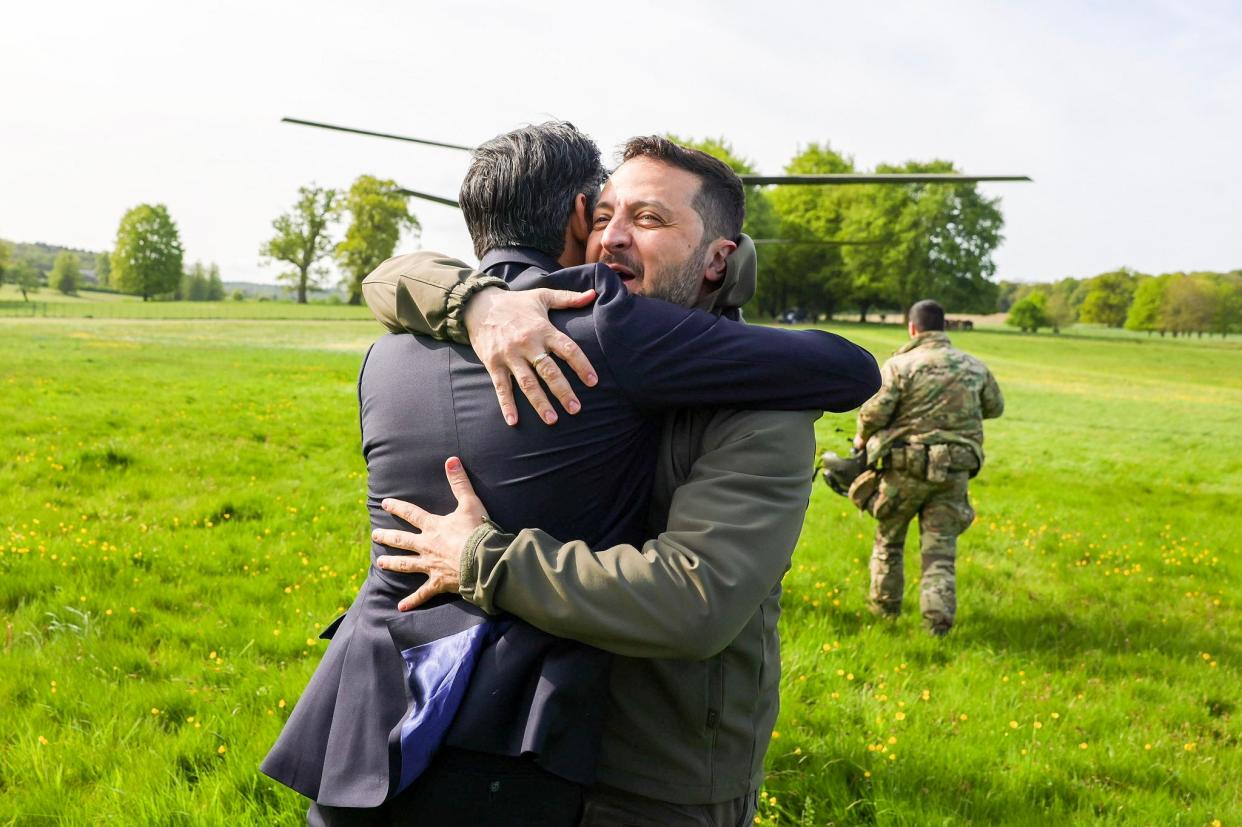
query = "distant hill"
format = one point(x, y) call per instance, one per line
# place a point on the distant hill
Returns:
point(42, 256)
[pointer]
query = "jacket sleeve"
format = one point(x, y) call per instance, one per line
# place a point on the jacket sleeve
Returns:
point(877, 411)
point(668, 356)
point(990, 398)
point(688, 593)
point(424, 293)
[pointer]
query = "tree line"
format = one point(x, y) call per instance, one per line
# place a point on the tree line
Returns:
point(833, 249)
point(1173, 303)
point(148, 258)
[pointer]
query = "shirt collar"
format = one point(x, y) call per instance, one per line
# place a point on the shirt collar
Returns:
point(927, 337)
point(525, 256)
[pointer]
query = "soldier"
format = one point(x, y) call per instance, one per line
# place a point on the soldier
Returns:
point(924, 431)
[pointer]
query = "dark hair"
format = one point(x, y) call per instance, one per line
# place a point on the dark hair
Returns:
point(521, 186)
point(927, 315)
point(720, 201)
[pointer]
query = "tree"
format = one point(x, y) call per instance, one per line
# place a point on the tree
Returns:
point(1228, 316)
point(215, 287)
point(378, 216)
point(1108, 298)
point(1145, 310)
point(1059, 312)
point(936, 241)
point(1030, 313)
point(25, 276)
point(4, 260)
point(807, 270)
point(1189, 305)
point(194, 285)
point(66, 273)
point(147, 257)
point(103, 268)
point(302, 239)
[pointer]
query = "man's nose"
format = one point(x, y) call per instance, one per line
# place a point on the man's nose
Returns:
point(616, 235)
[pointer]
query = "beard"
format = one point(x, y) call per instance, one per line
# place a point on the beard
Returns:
point(679, 283)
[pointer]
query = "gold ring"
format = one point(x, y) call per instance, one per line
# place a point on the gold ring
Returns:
point(534, 363)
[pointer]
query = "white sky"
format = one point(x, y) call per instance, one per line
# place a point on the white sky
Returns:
point(1127, 115)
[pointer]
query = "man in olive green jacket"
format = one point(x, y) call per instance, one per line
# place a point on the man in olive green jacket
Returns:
point(692, 614)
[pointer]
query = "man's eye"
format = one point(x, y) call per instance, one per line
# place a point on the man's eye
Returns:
point(649, 218)
point(601, 220)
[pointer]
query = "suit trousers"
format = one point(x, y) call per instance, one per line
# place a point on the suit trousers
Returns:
point(471, 789)
point(608, 807)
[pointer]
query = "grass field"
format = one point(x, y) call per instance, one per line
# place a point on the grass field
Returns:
point(181, 512)
point(52, 304)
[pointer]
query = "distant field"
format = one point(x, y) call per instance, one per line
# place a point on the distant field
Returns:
point(181, 510)
point(52, 304)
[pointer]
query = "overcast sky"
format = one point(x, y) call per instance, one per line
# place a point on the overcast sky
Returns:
point(1127, 115)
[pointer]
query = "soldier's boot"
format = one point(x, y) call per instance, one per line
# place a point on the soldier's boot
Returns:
point(887, 579)
point(938, 589)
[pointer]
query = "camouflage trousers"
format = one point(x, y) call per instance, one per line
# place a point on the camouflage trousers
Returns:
point(943, 510)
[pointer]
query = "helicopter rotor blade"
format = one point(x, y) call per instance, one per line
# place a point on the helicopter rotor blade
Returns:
point(816, 241)
point(388, 135)
point(438, 199)
point(876, 178)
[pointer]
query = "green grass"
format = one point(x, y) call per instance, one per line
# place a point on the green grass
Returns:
point(52, 304)
point(181, 511)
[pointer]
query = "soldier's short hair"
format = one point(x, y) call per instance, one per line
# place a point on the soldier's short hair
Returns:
point(521, 187)
point(720, 201)
point(927, 315)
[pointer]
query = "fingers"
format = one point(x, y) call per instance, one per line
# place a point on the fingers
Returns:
point(568, 350)
point(402, 563)
point(564, 299)
point(460, 483)
point(420, 596)
point(502, 382)
point(405, 540)
point(409, 512)
point(530, 387)
point(550, 373)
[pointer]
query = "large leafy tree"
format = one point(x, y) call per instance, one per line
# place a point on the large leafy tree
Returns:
point(378, 217)
point(66, 273)
point(937, 241)
point(1030, 313)
point(1189, 304)
point(147, 257)
point(1144, 312)
point(1108, 298)
point(807, 269)
point(302, 239)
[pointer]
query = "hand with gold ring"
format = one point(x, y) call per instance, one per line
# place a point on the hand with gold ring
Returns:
point(510, 331)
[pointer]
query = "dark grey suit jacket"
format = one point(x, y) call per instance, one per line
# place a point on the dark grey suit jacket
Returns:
point(587, 477)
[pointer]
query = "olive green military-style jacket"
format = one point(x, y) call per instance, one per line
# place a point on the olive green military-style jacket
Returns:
point(932, 393)
point(690, 615)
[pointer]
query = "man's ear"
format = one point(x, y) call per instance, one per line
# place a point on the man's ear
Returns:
point(580, 222)
point(718, 260)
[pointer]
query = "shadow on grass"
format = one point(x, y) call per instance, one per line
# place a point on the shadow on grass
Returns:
point(1052, 632)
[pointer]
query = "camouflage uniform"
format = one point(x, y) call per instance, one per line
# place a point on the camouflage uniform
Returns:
point(925, 429)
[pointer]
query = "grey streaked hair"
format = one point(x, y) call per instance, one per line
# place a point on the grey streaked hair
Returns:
point(521, 186)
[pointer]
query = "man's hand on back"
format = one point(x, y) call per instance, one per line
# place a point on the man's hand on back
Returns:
point(436, 549)
point(510, 332)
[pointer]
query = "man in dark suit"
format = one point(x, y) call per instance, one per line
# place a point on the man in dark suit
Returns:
point(518, 711)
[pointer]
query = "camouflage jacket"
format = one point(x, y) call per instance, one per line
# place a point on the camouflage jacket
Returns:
point(933, 393)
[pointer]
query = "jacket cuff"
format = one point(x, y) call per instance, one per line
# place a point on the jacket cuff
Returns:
point(455, 305)
point(468, 576)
